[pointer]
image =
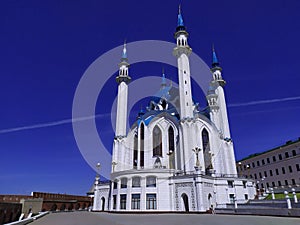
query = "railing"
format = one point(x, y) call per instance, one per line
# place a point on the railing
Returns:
point(28, 220)
point(218, 175)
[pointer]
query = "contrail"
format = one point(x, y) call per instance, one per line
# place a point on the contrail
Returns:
point(51, 124)
point(264, 101)
point(66, 121)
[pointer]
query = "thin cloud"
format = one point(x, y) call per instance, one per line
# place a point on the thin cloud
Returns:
point(264, 101)
point(52, 124)
point(264, 111)
point(67, 121)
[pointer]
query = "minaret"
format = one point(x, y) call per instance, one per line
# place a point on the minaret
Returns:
point(122, 79)
point(182, 52)
point(218, 83)
point(217, 103)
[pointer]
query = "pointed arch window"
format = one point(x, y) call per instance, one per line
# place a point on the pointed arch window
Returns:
point(135, 150)
point(142, 136)
point(206, 149)
point(171, 152)
point(171, 139)
point(205, 140)
point(157, 141)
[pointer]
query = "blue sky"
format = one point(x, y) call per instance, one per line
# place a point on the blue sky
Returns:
point(46, 46)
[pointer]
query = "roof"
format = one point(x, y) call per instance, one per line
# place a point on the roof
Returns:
point(290, 142)
point(166, 100)
point(92, 188)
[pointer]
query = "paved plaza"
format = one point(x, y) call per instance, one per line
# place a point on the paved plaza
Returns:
point(93, 218)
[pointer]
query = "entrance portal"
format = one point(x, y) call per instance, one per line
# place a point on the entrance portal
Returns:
point(185, 200)
point(103, 203)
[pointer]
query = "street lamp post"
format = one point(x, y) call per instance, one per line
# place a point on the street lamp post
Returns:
point(95, 201)
point(98, 166)
point(235, 202)
point(240, 168)
point(248, 170)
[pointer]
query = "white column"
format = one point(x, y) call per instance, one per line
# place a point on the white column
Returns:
point(122, 109)
point(295, 195)
point(288, 200)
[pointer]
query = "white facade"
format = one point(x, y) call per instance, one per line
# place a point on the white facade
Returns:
point(174, 158)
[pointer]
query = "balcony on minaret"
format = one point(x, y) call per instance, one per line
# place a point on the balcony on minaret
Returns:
point(181, 36)
point(123, 77)
point(212, 100)
point(123, 68)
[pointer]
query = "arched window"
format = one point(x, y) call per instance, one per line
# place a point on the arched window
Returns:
point(124, 182)
point(171, 152)
point(135, 151)
point(205, 140)
point(62, 207)
point(151, 181)
point(171, 139)
point(206, 150)
point(142, 135)
point(157, 142)
point(136, 182)
point(115, 185)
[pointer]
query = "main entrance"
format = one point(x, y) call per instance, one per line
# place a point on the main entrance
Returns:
point(185, 201)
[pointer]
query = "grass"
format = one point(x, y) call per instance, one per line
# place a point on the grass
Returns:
point(282, 196)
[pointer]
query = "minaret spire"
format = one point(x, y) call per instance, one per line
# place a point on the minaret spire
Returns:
point(215, 61)
point(124, 53)
point(163, 79)
point(180, 23)
point(216, 69)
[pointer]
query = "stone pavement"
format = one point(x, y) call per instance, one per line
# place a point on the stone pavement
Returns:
point(97, 218)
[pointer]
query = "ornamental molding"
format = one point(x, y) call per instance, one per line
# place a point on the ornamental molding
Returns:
point(187, 188)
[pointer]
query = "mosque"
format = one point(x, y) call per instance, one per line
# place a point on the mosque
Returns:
point(174, 157)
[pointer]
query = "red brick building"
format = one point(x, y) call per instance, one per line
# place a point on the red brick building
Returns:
point(52, 202)
point(9, 212)
point(61, 202)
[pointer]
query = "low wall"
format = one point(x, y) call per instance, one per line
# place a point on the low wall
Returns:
point(9, 212)
point(31, 205)
point(29, 220)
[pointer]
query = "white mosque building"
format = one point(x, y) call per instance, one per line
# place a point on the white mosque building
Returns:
point(174, 157)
